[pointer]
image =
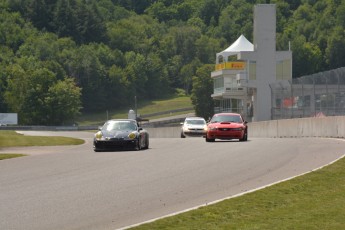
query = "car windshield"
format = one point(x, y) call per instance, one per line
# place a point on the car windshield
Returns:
point(195, 122)
point(120, 125)
point(226, 118)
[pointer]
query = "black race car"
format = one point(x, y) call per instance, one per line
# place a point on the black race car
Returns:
point(121, 134)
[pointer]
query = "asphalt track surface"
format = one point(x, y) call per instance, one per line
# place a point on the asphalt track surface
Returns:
point(72, 187)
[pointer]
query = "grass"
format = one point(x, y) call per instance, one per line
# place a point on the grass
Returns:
point(11, 139)
point(144, 108)
point(10, 155)
point(313, 201)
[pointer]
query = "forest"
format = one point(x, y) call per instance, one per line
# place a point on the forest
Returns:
point(61, 58)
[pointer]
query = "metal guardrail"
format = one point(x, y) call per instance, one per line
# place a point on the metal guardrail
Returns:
point(167, 112)
point(49, 128)
point(162, 122)
point(330, 127)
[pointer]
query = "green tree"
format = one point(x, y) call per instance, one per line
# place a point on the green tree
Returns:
point(136, 72)
point(13, 30)
point(206, 48)
point(184, 42)
point(40, 14)
point(202, 90)
point(90, 75)
point(197, 23)
point(114, 49)
point(157, 85)
point(185, 11)
point(33, 93)
point(118, 88)
point(34, 108)
point(187, 72)
point(134, 5)
point(65, 18)
point(161, 12)
point(335, 52)
point(89, 24)
point(17, 87)
point(6, 58)
point(234, 20)
point(66, 50)
point(341, 14)
point(137, 33)
point(26, 91)
point(43, 46)
point(173, 66)
point(307, 59)
point(63, 102)
point(209, 11)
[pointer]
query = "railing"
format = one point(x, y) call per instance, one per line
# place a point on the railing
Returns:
point(320, 94)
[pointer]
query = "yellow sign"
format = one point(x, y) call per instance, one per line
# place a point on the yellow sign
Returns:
point(231, 65)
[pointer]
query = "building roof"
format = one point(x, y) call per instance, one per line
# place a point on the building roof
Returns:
point(241, 44)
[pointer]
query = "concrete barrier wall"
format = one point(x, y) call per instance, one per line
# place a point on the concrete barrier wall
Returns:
point(300, 127)
point(165, 132)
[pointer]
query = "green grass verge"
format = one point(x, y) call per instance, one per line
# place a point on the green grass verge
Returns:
point(313, 201)
point(145, 107)
point(10, 155)
point(11, 139)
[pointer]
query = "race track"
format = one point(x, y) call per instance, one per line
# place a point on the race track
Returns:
point(72, 187)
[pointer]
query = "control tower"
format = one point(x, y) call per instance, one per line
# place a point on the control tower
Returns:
point(244, 71)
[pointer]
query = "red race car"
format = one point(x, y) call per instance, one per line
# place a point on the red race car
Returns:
point(227, 126)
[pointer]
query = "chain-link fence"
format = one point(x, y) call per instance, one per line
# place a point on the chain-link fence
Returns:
point(320, 94)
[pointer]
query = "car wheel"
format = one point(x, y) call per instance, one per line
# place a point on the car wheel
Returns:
point(95, 148)
point(208, 139)
point(138, 147)
point(183, 136)
point(147, 143)
point(245, 137)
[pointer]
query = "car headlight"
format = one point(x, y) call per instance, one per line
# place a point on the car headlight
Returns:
point(99, 135)
point(212, 128)
point(237, 129)
point(132, 135)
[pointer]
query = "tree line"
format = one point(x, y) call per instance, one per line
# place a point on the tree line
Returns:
point(60, 58)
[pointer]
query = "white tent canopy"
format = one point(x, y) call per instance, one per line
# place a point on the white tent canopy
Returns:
point(241, 44)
